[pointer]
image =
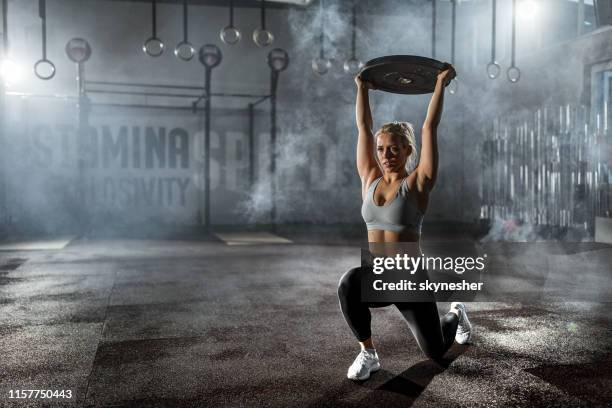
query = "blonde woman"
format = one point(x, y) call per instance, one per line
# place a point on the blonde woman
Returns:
point(394, 204)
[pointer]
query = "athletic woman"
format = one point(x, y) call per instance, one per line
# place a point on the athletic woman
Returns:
point(394, 203)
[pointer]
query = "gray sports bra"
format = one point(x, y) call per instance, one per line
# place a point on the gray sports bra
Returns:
point(398, 215)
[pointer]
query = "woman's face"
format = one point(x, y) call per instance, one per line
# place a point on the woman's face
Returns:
point(392, 152)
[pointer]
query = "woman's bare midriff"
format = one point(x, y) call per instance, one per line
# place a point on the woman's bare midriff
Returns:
point(390, 236)
point(381, 237)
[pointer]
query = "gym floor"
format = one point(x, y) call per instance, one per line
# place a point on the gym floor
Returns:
point(217, 322)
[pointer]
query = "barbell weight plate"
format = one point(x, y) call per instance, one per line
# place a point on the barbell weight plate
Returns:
point(403, 74)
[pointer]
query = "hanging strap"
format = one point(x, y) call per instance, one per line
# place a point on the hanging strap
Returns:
point(154, 17)
point(184, 20)
point(43, 16)
point(454, 26)
point(263, 14)
point(354, 25)
point(493, 29)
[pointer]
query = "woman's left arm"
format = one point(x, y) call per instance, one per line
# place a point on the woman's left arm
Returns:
point(428, 163)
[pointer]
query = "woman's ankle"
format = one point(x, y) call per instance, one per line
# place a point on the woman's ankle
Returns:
point(367, 344)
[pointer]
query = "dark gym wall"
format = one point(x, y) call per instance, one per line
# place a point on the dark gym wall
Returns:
point(143, 165)
point(317, 176)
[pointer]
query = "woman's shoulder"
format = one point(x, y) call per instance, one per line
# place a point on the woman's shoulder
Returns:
point(412, 179)
point(371, 181)
point(412, 188)
point(368, 182)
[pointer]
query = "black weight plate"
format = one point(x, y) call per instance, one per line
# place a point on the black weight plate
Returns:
point(403, 74)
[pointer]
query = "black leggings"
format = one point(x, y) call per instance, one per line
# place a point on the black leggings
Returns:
point(434, 335)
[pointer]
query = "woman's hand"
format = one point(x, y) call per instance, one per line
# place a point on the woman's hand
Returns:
point(447, 74)
point(363, 84)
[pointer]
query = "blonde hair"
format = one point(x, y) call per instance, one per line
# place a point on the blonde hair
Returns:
point(405, 131)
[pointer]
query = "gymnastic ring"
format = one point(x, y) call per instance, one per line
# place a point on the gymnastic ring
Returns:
point(493, 70)
point(38, 65)
point(151, 45)
point(513, 74)
point(230, 35)
point(262, 38)
point(184, 45)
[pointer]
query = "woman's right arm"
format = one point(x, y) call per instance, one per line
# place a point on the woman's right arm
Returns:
point(367, 167)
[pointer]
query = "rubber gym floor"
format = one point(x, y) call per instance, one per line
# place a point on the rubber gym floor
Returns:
point(186, 322)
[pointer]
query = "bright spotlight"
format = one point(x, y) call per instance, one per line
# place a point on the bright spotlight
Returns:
point(527, 9)
point(10, 71)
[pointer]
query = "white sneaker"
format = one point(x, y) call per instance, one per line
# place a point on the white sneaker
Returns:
point(365, 363)
point(464, 329)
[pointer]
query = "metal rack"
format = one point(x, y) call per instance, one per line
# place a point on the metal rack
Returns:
point(545, 168)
